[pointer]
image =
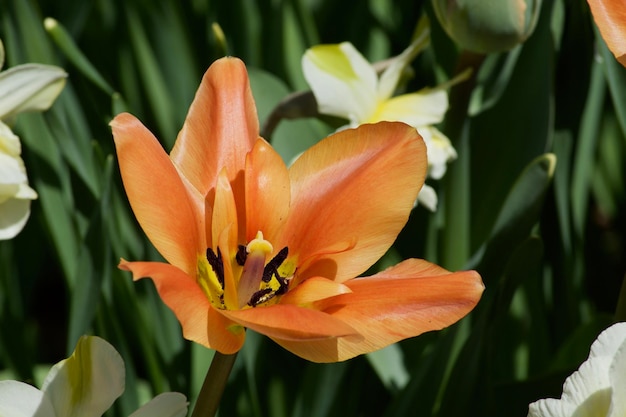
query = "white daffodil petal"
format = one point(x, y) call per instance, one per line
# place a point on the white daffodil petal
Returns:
point(343, 82)
point(388, 81)
point(609, 341)
point(427, 197)
point(550, 407)
point(88, 382)
point(439, 149)
point(9, 142)
point(617, 376)
point(13, 216)
point(18, 399)
point(29, 87)
point(168, 404)
point(416, 109)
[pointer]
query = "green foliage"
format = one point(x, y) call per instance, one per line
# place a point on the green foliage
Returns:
point(535, 201)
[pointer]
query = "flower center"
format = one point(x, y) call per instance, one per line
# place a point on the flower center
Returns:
point(258, 277)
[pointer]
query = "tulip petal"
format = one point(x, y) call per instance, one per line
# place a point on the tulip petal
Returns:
point(267, 191)
point(423, 108)
point(289, 322)
point(314, 289)
point(352, 194)
point(220, 128)
point(87, 383)
point(168, 404)
point(29, 87)
point(343, 82)
point(404, 301)
point(610, 16)
point(201, 323)
point(18, 399)
point(156, 193)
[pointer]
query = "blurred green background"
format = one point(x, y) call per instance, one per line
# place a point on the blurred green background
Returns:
point(535, 202)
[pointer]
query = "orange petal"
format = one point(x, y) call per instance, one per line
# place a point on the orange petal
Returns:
point(224, 213)
point(267, 192)
point(314, 289)
point(610, 16)
point(399, 303)
point(290, 322)
point(201, 323)
point(156, 193)
point(353, 190)
point(221, 126)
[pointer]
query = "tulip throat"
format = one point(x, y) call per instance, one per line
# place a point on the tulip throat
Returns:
point(259, 278)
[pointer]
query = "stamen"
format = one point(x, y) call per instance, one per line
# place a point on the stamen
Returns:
point(217, 264)
point(242, 254)
point(271, 269)
point(261, 296)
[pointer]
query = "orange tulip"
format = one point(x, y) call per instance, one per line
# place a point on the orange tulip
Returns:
point(253, 244)
point(610, 16)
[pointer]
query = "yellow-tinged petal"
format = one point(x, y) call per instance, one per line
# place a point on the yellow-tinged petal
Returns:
point(157, 194)
point(220, 128)
point(404, 301)
point(416, 109)
point(291, 322)
point(351, 195)
point(610, 16)
point(267, 191)
point(87, 383)
point(343, 82)
point(201, 323)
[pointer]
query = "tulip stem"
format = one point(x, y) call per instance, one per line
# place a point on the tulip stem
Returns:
point(213, 386)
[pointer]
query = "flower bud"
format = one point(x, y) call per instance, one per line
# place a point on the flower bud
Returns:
point(486, 25)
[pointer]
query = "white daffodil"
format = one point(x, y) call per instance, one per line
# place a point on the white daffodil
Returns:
point(346, 85)
point(28, 87)
point(84, 385)
point(598, 388)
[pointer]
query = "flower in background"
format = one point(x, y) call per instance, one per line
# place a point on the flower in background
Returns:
point(610, 16)
point(28, 87)
point(598, 387)
point(84, 385)
point(487, 26)
point(346, 85)
point(254, 244)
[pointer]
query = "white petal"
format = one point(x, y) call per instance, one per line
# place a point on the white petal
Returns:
point(609, 341)
point(550, 408)
point(343, 82)
point(425, 107)
point(88, 382)
point(388, 81)
point(29, 87)
point(427, 197)
point(168, 404)
point(9, 142)
point(439, 149)
point(13, 216)
point(617, 376)
point(18, 399)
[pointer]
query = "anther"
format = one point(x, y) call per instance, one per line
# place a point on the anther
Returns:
point(271, 269)
point(217, 264)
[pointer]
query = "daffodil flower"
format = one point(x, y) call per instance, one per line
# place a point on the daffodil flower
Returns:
point(610, 16)
point(28, 87)
point(597, 388)
point(253, 244)
point(84, 385)
point(346, 85)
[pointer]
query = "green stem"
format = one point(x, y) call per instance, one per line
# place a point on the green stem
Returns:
point(213, 386)
point(456, 234)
